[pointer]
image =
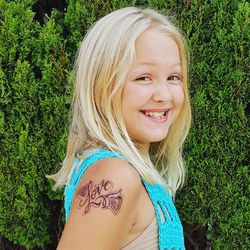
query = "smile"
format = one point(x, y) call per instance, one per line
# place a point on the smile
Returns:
point(159, 116)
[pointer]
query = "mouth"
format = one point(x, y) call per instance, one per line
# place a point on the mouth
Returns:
point(156, 115)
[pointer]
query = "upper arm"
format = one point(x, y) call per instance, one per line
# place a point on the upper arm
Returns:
point(103, 208)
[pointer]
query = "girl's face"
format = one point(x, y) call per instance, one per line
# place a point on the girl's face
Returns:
point(153, 92)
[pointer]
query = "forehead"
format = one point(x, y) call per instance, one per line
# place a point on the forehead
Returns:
point(154, 45)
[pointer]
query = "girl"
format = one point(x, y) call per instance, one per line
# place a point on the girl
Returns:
point(131, 114)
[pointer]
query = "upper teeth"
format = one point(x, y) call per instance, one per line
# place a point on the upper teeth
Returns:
point(155, 114)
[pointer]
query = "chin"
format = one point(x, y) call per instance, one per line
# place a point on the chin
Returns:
point(158, 138)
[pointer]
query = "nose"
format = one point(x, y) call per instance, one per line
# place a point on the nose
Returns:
point(162, 93)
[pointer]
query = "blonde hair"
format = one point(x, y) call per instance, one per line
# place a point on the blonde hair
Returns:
point(104, 58)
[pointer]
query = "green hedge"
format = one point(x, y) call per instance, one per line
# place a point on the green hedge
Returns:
point(35, 92)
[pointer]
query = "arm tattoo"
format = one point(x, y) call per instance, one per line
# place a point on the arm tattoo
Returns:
point(99, 195)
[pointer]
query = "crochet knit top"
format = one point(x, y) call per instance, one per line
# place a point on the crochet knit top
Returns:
point(170, 231)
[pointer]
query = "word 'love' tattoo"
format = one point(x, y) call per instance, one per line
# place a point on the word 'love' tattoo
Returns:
point(99, 195)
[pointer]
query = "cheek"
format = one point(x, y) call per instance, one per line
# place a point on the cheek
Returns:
point(179, 97)
point(135, 96)
point(127, 103)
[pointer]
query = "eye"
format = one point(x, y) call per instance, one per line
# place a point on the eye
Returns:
point(143, 78)
point(175, 78)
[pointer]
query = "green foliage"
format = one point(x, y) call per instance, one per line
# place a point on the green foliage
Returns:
point(35, 93)
point(217, 148)
point(81, 15)
point(32, 111)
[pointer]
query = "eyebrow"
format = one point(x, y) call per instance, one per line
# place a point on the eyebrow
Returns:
point(154, 64)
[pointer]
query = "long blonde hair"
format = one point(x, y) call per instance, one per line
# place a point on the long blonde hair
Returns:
point(104, 58)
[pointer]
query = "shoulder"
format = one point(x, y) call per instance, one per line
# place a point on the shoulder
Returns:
point(114, 178)
point(110, 176)
point(115, 169)
point(105, 202)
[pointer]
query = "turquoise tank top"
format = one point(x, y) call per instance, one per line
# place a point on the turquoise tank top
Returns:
point(170, 231)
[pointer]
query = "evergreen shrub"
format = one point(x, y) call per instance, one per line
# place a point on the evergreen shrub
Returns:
point(36, 58)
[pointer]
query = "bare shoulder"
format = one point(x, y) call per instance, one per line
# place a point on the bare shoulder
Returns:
point(108, 184)
point(116, 169)
point(104, 207)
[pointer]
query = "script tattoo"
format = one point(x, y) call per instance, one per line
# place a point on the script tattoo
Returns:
point(99, 195)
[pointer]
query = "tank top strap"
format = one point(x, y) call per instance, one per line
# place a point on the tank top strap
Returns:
point(170, 227)
point(170, 231)
point(80, 166)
